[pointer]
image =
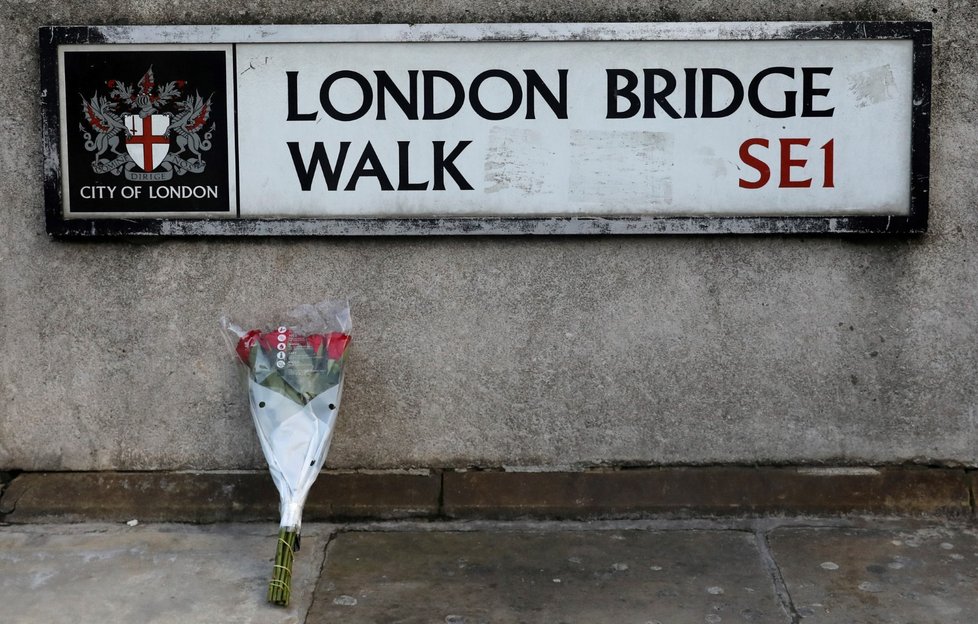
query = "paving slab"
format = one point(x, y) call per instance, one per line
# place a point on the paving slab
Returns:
point(151, 574)
point(478, 577)
point(923, 575)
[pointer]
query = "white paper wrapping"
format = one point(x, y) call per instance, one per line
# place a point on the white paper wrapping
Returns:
point(295, 440)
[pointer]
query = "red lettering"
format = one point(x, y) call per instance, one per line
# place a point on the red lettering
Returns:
point(762, 169)
point(828, 181)
point(787, 162)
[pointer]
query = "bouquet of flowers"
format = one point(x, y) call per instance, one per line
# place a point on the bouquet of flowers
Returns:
point(294, 368)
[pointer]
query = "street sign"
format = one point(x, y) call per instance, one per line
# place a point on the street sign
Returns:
point(486, 129)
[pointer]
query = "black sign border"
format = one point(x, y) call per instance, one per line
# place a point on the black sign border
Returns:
point(51, 37)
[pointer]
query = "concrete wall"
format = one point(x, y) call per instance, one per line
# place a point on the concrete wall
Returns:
point(502, 351)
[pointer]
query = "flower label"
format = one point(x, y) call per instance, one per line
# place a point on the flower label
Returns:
point(487, 129)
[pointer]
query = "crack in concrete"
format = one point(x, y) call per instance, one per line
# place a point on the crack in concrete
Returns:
point(777, 578)
point(440, 510)
point(330, 540)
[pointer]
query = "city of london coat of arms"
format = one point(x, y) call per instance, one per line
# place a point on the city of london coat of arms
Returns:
point(147, 132)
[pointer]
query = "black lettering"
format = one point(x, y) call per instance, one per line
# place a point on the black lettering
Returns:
point(789, 96)
point(408, 104)
point(535, 84)
point(443, 164)
point(690, 112)
point(404, 174)
point(428, 85)
point(365, 89)
point(376, 170)
point(809, 92)
point(516, 91)
point(319, 160)
point(627, 92)
point(292, 91)
point(738, 92)
point(658, 97)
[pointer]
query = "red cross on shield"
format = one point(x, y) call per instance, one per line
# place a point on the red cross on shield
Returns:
point(146, 143)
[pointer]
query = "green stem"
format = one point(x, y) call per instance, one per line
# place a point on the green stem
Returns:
point(280, 587)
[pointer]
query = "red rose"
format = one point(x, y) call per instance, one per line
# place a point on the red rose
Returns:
point(271, 340)
point(336, 345)
point(246, 343)
point(316, 341)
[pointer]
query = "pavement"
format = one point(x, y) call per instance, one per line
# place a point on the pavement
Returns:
point(777, 570)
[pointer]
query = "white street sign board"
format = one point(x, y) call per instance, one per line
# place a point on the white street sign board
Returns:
point(564, 128)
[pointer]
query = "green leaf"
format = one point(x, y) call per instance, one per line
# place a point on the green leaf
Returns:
point(276, 383)
point(300, 372)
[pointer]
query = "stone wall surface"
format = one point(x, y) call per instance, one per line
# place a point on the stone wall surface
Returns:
point(550, 351)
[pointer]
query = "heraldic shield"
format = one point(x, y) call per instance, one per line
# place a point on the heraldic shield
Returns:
point(146, 141)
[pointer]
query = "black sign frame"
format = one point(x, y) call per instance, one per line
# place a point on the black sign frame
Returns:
point(58, 226)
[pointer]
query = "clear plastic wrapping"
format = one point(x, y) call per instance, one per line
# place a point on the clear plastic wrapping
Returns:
point(294, 366)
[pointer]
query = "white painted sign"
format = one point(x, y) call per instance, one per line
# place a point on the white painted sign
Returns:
point(575, 128)
point(658, 123)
